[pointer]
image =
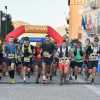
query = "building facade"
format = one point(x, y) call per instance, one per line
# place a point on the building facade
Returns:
point(78, 9)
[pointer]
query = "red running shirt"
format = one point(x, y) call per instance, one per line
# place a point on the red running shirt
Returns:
point(38, 55)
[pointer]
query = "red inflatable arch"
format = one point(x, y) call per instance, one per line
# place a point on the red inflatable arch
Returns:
point(35, 29)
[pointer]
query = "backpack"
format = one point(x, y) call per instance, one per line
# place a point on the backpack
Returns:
point(81, 52)
point(89, 50)
point(61, 53)
point(27, 51)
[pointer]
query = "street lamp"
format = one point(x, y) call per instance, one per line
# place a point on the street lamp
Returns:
point(6, 20)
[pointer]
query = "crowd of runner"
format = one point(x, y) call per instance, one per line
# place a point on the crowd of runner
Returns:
point(47, 59)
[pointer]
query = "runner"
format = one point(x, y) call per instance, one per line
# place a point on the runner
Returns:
point(10, 54)
point(27, 59)
point(48, 52)
point(55, 61)
point(5, 67)
point(63, 55)
point(88, 52)
point(93, 61)
point(19, 58)
point(78, 57)
point(72, 60)
point(1, 60)
point(38, 61)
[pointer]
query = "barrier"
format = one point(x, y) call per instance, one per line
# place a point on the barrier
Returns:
point(98, 67)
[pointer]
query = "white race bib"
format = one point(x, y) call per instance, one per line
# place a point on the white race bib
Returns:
point(64, 60)
point(11, 55)
point(26, 59)
point(46, 54)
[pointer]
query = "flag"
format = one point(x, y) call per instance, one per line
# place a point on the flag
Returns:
point(84, 22)
point(89, 24)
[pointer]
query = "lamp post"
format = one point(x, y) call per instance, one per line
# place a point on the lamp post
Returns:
point(6, 29)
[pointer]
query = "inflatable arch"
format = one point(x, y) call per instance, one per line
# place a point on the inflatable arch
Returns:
point(35, 29)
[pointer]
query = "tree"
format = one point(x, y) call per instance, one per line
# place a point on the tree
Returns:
point(9, 23)
point(6, 24)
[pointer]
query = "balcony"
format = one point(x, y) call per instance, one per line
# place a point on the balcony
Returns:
point(94, 4)
point(98, 3)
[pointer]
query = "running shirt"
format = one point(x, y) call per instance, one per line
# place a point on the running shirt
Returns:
point(93, 56)
point(78, 55)
point(19, 53)
point(48, 49)
point(38, 52)
point(63, 52)
point(88, 51)
point(71, 51)
point(27, 53)
point(10, 50)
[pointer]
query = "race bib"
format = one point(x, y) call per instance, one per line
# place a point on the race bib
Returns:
point(19, 58)
point(64, 60)
point(26, 59)
point(12, 65)
point(46, 54)
point(11, 55)
point(60, 60)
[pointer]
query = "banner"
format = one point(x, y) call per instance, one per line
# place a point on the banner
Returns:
point(32, 39)
point(84, 22)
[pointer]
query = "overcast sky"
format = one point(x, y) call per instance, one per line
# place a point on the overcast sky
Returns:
point(49, 12)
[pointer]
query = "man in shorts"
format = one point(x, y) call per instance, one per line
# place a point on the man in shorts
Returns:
point(63, 56)
point(78, 58)
point(10, 54)
point(38, 61)
point(1, 59)
point(27, 59)
point(47, 52)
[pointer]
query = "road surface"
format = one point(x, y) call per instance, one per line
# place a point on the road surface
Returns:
point(76, 90)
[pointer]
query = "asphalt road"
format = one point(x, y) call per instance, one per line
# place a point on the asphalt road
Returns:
point(74, 90)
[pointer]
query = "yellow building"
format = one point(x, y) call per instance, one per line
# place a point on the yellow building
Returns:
point(75, 18)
